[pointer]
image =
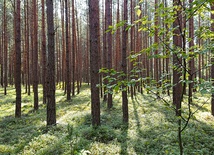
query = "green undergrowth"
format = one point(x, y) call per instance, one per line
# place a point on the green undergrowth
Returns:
point(152, 127)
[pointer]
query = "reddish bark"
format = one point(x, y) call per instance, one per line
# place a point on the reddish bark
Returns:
point(35, 55)
point(94, 56)
point(18, 59)
point(124, 63)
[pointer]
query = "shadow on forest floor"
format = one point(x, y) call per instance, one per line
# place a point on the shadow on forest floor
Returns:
point(152, 128)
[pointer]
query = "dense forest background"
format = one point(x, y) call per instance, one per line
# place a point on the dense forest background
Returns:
point(163, 49)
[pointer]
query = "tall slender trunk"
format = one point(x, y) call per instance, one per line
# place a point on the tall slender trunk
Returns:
point(63, 63)
point(51, 103)
point(5, 50)
point(118, 41)
point(124, 63)
point(18, 59)
point(43, 53)
point(94, 56)
point(156, 41)
point(177, 73)
point(191, 62)
point(35, 55)
point(108, 14)
point(68, 82)
point(74, 48)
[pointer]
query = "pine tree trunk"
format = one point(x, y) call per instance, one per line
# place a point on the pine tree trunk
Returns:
point(108, 15)
point(51, 103)
point(18, 59)
point(5, 50)
point(35, 55)
point(43, 53)
point(94, 56)
point(124, 64)
point(68, 82)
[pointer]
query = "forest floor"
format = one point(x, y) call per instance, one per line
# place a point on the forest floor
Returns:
point(152, 127)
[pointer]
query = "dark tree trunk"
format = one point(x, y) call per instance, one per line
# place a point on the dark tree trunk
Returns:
point(108, 14)
point(43, 53)
point(35, 55)
point(63, 63)
point(68, 82)
point(177, 73)
point(51, 103)
point(28, 51)
point(124, 64)
point(105, 47)
point(156, 41)
point(118, 41)
point(191, 62)
point(5, 50)
point(94, 56)
point(74, 48)
point(18, 60)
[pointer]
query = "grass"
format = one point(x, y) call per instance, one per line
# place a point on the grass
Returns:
point(152, 127)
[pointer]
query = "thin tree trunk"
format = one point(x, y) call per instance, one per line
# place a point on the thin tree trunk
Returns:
point(105, 47)
point(124, 64)
point(43, 53)
point(28, 50)
point(118, 41)
point(18, 59)
point(63, 63)
point(5, 50)
point(35, 55)
point(191, 62)
point(108, 14)
point(156, 41)
point(68, 82)
point(177, 73)
point(74, 48)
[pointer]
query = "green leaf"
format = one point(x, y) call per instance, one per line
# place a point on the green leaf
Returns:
point(138, 11)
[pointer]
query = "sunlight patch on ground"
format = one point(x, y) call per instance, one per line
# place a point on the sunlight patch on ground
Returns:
point(39, 143)
point(102, 148)
point(205, 117)
point(5, 148)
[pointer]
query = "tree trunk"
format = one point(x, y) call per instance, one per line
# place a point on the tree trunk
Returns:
point(43, 53)
point(108, 14)
point(124, 64)
point(74, 48)
point(5, 50)
point(191, 62)
point(35, 55)
point(68, 82)
point(18, 60)
point(94, 67)
point(51, 103)
point(118, 41)
point(177, 73)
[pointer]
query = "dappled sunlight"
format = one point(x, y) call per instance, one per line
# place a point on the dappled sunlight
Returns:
point(152, 127)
